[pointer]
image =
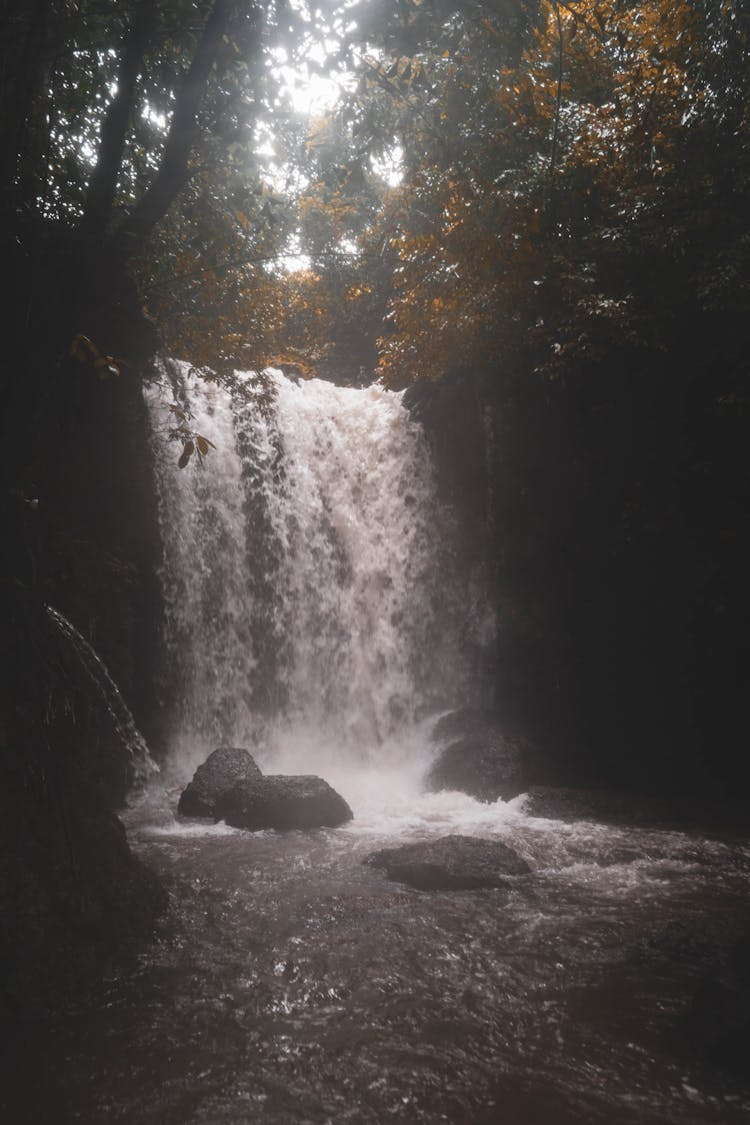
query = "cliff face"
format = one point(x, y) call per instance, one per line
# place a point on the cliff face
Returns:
point(618, 604)
point(73, 899)
point(459, 426)
point(76, 533)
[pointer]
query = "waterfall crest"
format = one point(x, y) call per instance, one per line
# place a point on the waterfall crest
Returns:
point(308, 569)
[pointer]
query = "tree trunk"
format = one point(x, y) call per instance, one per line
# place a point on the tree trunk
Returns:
point(24, 66)
point(174, 168)
point(102, 187)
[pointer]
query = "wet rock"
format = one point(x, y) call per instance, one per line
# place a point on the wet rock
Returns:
point(461, 723)
point(483, 757)
point(451, 863)
point(218, 774)
point(283, 802)
point(610, 806)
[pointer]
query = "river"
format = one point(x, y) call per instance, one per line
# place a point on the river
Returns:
point(316, 612)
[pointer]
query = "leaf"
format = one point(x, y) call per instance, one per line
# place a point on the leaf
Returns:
point(203, 444)
point(83, 349)
point(106, 366)
point(187, 452)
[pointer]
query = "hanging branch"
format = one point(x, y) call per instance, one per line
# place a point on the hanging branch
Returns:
point(558, 98)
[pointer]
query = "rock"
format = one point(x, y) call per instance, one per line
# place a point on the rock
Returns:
point(615, 806)
point(461, 723)
point(611, 807)
point(484, 758)
point(451, 863)
point(218, 774)
point(283, 802)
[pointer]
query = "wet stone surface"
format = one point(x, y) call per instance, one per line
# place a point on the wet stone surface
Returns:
point(221, 770)
point(283, 802)
point(451, 863)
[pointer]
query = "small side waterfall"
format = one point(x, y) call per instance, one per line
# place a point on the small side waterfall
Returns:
point(142, 765)
point(308, 571)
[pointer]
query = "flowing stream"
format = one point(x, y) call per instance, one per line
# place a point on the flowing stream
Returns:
point(316, 613)
point(141, 764)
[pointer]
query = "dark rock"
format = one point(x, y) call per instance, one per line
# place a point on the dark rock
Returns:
point(218, 774)
point(462, 723)
point(484, 759)
point(75, 901)
point(451, 863)
point(282, 802)
point(610, 806)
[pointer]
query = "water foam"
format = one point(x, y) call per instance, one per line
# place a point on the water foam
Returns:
point(314, 611)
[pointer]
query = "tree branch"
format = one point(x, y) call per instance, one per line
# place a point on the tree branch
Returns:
point(102, 187)
point(558, 97)
point(174, 168)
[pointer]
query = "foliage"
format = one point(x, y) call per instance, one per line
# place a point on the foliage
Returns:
point(86, 352)
point(524, 217)
point(205, 277)
point(129, 135)
point(570, 231)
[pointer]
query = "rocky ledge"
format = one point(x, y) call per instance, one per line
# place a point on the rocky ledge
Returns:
point(554, 802)
point(482, 756)
point(230, 786)
point(451, 863)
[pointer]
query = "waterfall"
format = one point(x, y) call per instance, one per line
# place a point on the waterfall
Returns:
point(142, 765)
point(309, 573)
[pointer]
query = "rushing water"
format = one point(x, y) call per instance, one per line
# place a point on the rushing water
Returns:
point(315, 613)
point(141, 764)
point(309, 570)
point(298, 985)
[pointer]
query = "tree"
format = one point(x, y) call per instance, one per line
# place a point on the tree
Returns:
point(570, 233)
point(127, 112)
point(128, 144)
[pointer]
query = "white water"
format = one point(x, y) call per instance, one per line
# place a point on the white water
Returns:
point(314, 612)
point(298, 984)
point(142, 765)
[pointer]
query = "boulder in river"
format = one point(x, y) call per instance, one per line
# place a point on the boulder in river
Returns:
point(282, 802)
point(482, 757)
point(218, 774)
point(451, 863)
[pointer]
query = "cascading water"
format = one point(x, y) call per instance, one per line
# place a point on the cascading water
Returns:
point(308, 575)
point(142, 765)
point(314, 612)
